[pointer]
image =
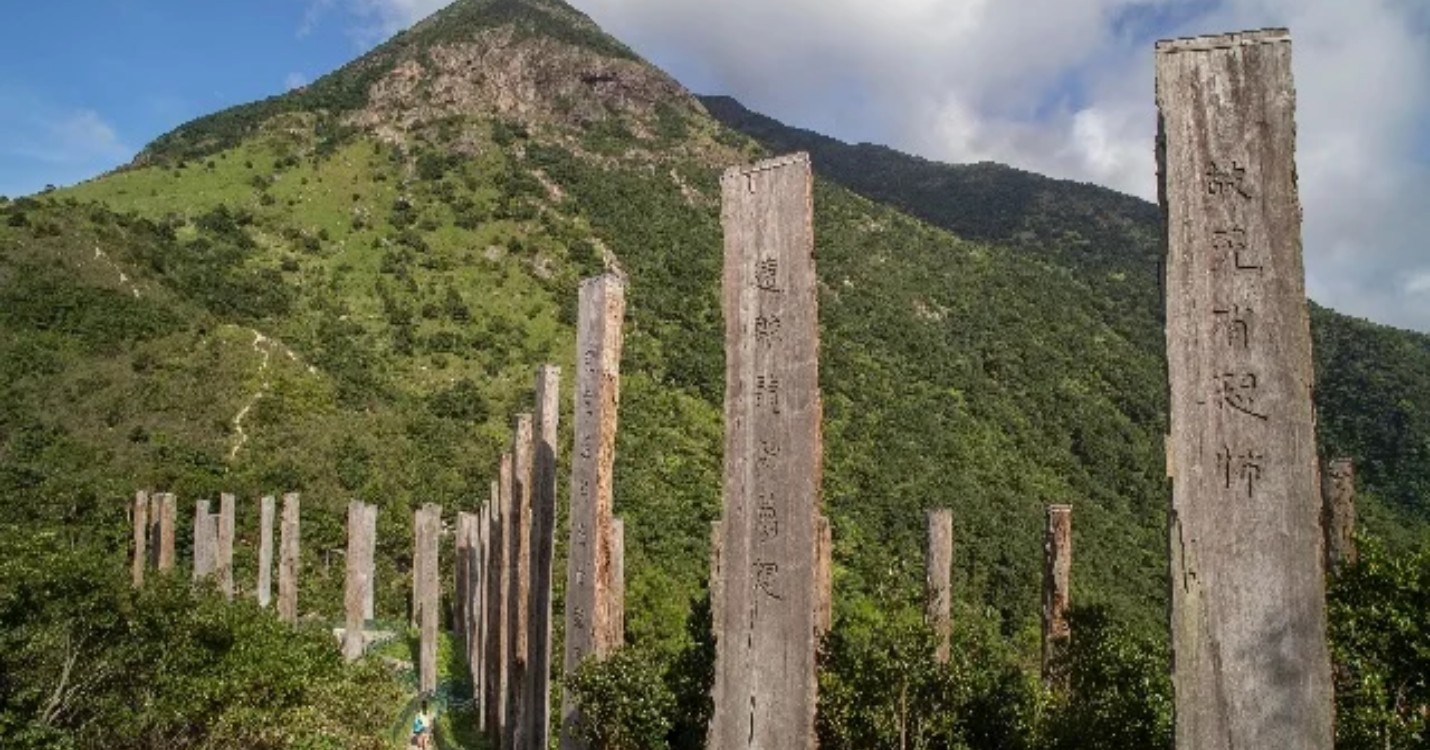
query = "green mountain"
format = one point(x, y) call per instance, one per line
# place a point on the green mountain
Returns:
point(346, 290)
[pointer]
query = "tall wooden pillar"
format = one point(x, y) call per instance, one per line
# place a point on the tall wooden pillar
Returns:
point(1251, 667)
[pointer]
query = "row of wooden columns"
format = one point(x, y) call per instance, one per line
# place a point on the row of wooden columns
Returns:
point(154, 521)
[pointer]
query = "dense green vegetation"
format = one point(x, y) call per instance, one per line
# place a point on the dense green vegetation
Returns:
point(270, 300)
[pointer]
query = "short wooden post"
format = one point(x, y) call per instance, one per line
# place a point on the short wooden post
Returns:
point(265, 551)
point(1338, 514)
point(223, 561)
point(140, 517)
point(168, 515)
point(205, 540)
point(938, 579)
point(289, 560)
point(1057, 578)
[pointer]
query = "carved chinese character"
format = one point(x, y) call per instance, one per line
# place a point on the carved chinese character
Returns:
point(588, 360)
point(767, 454)
point(1235, 324)
point(586, 445)
point(767, 391)
point(1230, 245)
point(1238, 391)
point(1240, 466)
point(1223, 180)
point(767, 518)
point(767, 275)
point(766, 574)
point(578, 618)
point(767, 329)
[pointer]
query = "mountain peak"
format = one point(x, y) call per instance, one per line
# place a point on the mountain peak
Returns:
point(535, 62)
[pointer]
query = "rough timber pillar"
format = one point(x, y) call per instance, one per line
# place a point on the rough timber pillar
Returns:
point(205, 540)
point(461, 574)
point(265, 551)
point(1338, 514)
point(1057, 580)
point(1250, 661)
point(938, 579)
point(288, 560)
point(477, 649)
point(596, 396)
point(140, 517)
point(494, 646)
point(543, 528)
point(765, 687)
point(519, 554)
point(500, 679)
point(428, 525)
point(223, 558)
point(358, 579)
point(167, 509)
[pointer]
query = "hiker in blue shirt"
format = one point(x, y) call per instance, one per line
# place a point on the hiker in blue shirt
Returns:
point(422, 728)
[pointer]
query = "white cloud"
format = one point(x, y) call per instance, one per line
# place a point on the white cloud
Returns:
point(43, 143)
point(294, 80)
point(1064, 87)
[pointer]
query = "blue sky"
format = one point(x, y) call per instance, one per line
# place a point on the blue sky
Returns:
point(1060, 87)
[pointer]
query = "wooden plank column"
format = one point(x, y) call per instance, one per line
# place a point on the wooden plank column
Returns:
point(589, 628)
point(542, 546)
point(358, 580)
point(140, 517)
point(223, 555)
point(938, 579)
point(289, 559)
point(765, 687)
point(267, 510)
point(1057, 582)
point(519, 555)
point(1250, 662)
point(428, 526)
point(168, 510)
point(1338, 514)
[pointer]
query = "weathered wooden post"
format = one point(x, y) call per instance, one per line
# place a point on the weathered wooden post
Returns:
point(477, 650)
point(518, 612)
point(265, 551)
point(491, 620)
point(353, 582)
point(461, 574)
point(938, 579)
point(765, 688)
point(1251, 666)
point(1338, 513)
point(501, 683)
point(589, 630)
point(429, 526)
point(205, 540)
point(1057, 579)
point(289, 560)
point(140, 517)
point(543, 541)
point(223, 561)
point(168, 511)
